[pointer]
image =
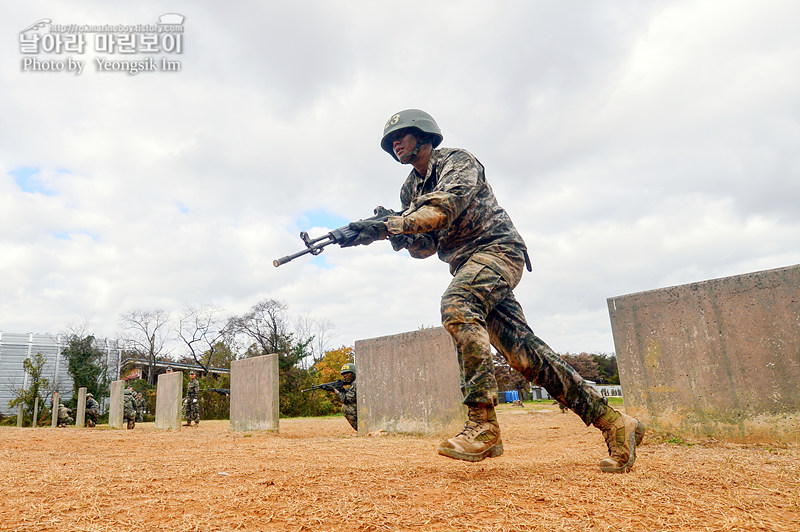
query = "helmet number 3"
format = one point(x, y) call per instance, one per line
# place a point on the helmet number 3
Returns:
point(392, 121)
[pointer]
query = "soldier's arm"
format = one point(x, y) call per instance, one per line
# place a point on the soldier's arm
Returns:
point(457, 185)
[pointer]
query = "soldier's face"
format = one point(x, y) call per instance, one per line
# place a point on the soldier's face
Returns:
point(348, 377)
point(403, 144)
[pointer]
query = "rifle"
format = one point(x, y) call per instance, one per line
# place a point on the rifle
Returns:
point(334, 384)
point(340, 236)
point(221, 391)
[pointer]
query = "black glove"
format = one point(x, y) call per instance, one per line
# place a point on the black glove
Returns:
point(400, 241)
point(368, 232)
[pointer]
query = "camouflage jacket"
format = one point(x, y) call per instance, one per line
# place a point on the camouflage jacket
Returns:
point(192, 388)
point(92, 405)
point(453, 211)
point(128, 404)
point(347, 395)
point(63, 413)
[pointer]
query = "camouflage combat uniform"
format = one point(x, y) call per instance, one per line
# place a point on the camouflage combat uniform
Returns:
point(141, 405)
point(192, 401)
point(92, 411)
point(453, 211)
point(63, 416)
point(128, 408)
point(349, 407)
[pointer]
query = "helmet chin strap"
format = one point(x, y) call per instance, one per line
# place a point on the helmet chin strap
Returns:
point(413, 155)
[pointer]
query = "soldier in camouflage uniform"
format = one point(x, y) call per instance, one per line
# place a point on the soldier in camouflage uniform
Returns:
point(450, 208)
point(192, 411)
point(141, 406)
point(129, 407)
point(63, 417)
point(347, 394)
point(92, 410)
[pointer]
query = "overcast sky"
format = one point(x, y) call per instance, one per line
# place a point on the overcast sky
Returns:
point(636, 145)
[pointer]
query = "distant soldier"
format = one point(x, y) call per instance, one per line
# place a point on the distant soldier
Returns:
point(347, 394)
point(141, 407)
point(129, 407)
point(64, 417)
point(192, 410)
point(92, 410)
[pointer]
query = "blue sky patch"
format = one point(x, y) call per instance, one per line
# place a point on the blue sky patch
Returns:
point(70, 235)
point(320, 218)
point(28, 179)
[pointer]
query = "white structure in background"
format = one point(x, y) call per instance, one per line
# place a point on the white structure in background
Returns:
point(16, 347)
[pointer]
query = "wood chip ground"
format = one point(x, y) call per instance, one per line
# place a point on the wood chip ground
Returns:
point(317, 475)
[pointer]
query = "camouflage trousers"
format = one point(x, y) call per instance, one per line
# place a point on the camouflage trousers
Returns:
point(479, 311)
point(351, 415)
point(191, 410)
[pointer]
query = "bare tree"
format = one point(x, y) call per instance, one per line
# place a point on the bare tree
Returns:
point(201, 328)
point(149, 331)
point(320, 329)
point(265, 324)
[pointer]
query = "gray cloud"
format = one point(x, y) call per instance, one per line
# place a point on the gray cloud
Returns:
point(636, 145)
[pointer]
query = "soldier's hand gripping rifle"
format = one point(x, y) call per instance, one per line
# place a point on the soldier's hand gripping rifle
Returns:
point(344, 236)
point(330, 386)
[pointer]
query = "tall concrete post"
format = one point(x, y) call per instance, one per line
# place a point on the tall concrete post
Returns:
point(19, 415)
point(169, 394)
point(409, 383)
point(115, 406)
point(54, 413)
point(35, 411)
point(254, 394)
point(80, 416)
point(716, 358)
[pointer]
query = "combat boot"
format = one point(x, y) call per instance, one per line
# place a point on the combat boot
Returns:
point(479, 439)
point(622, 434)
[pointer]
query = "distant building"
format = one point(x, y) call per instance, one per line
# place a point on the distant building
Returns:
point(138, 369)
point(16, 347)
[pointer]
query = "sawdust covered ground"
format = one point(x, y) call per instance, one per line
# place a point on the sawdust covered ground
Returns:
point(316, 474)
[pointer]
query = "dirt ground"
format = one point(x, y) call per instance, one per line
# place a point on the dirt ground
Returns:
point(316, 474)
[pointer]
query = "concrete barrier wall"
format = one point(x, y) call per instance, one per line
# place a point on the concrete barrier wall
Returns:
point(115, 407)
point(717, 358)
point(169, 398)
point(409, 383)
point(80, 416)
point(254, 393)
point(54, 410)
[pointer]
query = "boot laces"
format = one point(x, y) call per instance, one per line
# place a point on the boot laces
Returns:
point(474, 420)
point(470, 429)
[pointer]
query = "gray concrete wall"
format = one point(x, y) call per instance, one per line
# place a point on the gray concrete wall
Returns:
point(80, 416)
point(54, 411)
point(717, 358)
point(169, 396)
point(115, 407)
point(409, 383)
point(254, 393)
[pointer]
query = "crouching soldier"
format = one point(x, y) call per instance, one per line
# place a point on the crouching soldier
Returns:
point(92, 410)
point(129, 408)
point(346, 391)
point(64, 417)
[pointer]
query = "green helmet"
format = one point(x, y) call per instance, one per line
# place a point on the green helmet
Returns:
point(410, 118)
point(348, 368)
